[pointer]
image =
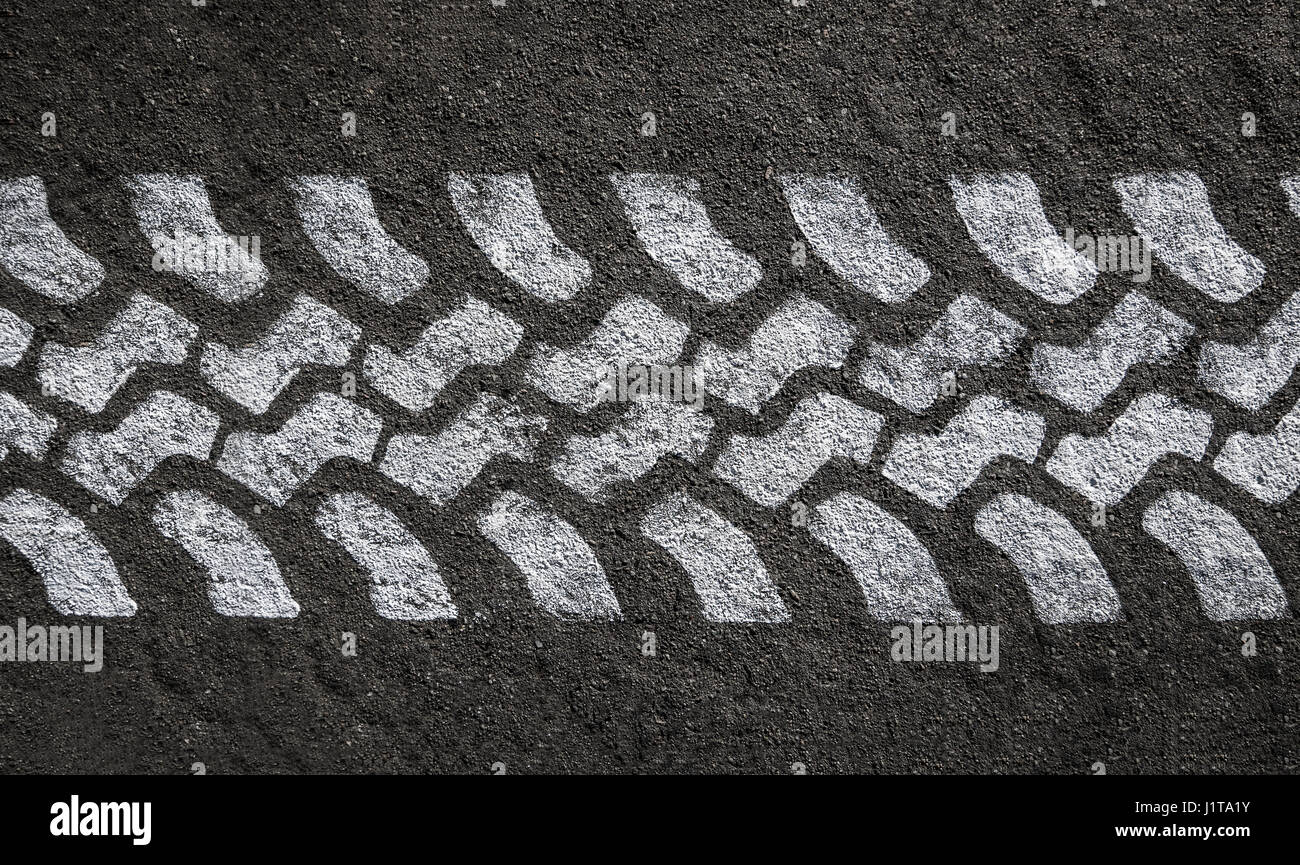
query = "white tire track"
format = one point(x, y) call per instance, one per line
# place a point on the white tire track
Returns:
point(835, 216)
point(563, 575)
point(473, 334)
point(439, 466)
point(1137, 330)
point(1232, 576)
point(274, 465)
point(307, 332)
point(338, 216)
point(1004, 216)
point(80, 577)
point(937, 468)
point(1172, 211)
point(404, 582)
point(35, 251)
point(672, 224)
point(243, 578)
point(1066, 581)
point(503, 216)
point(1105, 468)
point(896, 572)
point(969, 333)
point(769, 469)
point(174, 212)
point(801, 333)
point(1266, 466)
point(165, 425)
point(146, 331)
point(728, 575)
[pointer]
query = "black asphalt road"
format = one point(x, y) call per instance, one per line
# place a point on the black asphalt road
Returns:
point(246, 93)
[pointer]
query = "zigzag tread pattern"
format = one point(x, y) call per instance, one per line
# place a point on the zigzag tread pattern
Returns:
point(505, 218)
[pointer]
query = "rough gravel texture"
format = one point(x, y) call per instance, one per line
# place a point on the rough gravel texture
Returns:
point(246, 94)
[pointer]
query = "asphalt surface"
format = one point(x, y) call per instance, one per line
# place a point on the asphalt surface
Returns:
point(246, 94)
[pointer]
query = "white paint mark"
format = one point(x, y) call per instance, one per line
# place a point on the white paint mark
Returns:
point(1230, 572)
point(23, 427)
point(801, 333)
point(35, 251)
point(1066, 580)
point(937, 468)
point(898, 577)
point(15, 336)
point(1004, 216)
point(404, 581)
point(502, 214)
point(474, 333)
point(1249, 374)
point(1291, 186)
point(1105, 468)
point(1172, 211)
point(835, 216)
point(111, 464)
point(338, 215)
point(634, 331)
point(145, 331)
point(563, 574)
point(970, 332)
point(668, 214)
point(440, 466)
point(769, 469)
point(175, 210)
point(726, 570)
point(1137, 330)
point(80, 577)
point(632, 447)
point(273, 465)
point(1266, 466)
point(308, 332)
point(243, 578)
